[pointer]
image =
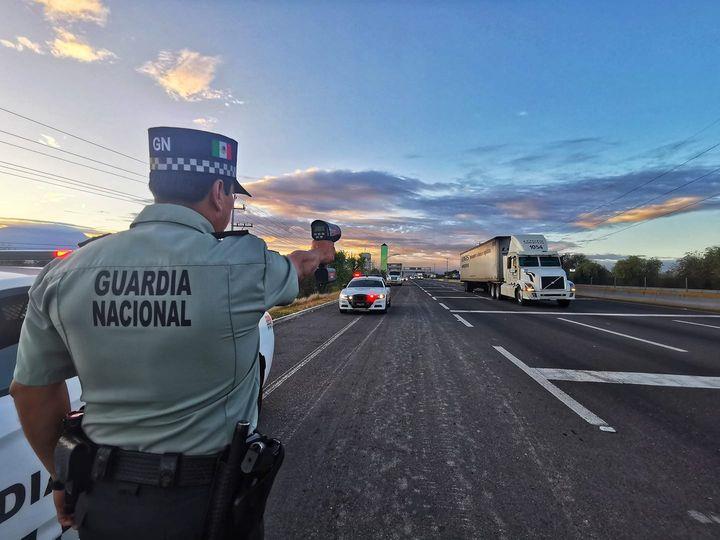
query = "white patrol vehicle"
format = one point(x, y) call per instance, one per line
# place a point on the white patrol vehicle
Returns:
point(26, 506)
point(519, 267)
point(366, 293)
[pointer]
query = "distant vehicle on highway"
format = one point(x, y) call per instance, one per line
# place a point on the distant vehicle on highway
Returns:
point(394, 274)
point(368, 293)
point(26, 505)
point(519, 267)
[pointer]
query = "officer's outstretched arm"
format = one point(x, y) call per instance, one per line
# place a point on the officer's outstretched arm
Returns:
point(41, 410)
point(306, 262)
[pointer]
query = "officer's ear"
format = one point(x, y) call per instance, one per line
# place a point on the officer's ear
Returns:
point(217, 194)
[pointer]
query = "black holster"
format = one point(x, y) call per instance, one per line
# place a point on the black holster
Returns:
point(242, 485)
point(73, 457)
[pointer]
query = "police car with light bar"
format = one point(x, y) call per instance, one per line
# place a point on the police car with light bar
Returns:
point(365, 293)
point(26, 505)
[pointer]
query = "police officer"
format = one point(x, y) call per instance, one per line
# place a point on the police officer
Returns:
point(160, 323)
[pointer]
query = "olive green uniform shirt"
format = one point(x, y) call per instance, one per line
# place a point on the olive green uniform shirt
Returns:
point(160, 323)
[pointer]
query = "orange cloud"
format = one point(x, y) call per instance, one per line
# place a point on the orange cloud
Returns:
point(22, 43)
point(68, 45)
point(186, 75)
point(75, 10)
point(526, 209)
point(642, 213)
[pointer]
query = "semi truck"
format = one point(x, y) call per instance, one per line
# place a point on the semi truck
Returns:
point(394, 274)
point(519, 267)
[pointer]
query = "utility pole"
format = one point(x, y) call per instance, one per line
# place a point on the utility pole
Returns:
point(234, 223)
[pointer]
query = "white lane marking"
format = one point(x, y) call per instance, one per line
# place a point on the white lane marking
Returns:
point(466, 297)
point(289, 373)
point(434, 298)
point(587, 415)
point(495, 312)
point(443, 305)
point(628, 377)
point(459, 318)
point(339, 369)
point(624, 335)
point(698, 324)
point(705, 519)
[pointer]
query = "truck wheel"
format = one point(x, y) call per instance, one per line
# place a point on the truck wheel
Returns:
point(519, 298)
point(563, 303)
point(468, 286)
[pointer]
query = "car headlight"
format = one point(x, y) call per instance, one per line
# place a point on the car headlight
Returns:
point(381, 296)
point(529, 288)
point(344, 296)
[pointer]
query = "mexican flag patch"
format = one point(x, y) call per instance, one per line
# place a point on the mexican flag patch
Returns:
point(221, 149)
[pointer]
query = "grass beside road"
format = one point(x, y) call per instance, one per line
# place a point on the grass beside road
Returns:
point(303, 303)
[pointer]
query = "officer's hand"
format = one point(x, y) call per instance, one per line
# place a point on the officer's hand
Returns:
point(64, 519)
point(326, 250)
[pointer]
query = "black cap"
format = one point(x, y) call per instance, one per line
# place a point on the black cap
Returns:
point(193, 154)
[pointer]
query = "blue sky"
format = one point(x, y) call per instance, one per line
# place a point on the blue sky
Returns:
point(427, 126)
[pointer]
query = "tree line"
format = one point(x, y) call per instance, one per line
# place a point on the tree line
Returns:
point(344, 264)
point(696, 270)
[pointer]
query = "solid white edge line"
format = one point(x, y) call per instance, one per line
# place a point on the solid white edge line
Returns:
point(289, 373)
point(302, 312)
point(698, 324)
point(443, 305)
point(584, 413)
point(631, 377)
point(459, 318)
point(555, 313)
point(466, 297)
point(624, 335)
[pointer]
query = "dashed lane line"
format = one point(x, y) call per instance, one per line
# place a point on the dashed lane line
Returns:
point(627, 377)
point(443, 305)
point(289, 373)
point(466, 297)
point(584, 314)
point(698, 324)
point(584, 413)
point(624, 335)
point(459, 318)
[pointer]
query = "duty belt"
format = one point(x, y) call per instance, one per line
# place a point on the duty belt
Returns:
point(164, 470)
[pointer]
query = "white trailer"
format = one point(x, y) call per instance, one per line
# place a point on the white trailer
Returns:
point(394, 274)
point(519, 267)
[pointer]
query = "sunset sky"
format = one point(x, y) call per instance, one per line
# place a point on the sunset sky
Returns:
point(429, 126)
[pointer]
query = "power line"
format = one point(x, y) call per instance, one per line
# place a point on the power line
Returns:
point(73, 162)
point(697, 179)
point(676, 210)
point(71, 153)
point(98, 145)
point(71, 135)
point(100, 194)
point(52, 176)
point(657, 177)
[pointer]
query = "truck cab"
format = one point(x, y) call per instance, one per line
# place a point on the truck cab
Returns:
point(532, 272)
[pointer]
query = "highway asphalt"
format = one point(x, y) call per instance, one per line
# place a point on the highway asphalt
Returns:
point(458, 416)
